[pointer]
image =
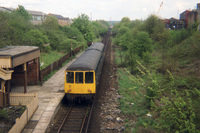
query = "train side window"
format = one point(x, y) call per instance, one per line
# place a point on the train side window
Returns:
point(0, 86)
point(70, 77)
point(79, 77)
point(89, 77)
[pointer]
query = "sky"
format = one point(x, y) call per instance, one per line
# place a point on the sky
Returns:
point(113, 10)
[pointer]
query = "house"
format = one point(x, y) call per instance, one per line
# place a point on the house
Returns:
point(6, 9)
point(37, 17)
point(61, 20)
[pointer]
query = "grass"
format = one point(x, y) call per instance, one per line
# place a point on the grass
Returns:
point(133, 103)
point(53, 72)
point(49, 58)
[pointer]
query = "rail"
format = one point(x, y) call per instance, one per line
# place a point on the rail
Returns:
point(76, 119)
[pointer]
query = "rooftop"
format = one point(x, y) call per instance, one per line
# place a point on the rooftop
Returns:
point(16, 50)
point(36, 13)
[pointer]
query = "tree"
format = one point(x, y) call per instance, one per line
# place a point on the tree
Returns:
point(99, 28)
point(84, 25)
point(4, 28)
point(141, 44)
point(151, 22)
point(22, 11)
point(125, 21)
point(65, 46)
point(50, 23)
point(72, 32)
point(36, 38)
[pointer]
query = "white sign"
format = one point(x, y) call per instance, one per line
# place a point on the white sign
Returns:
point(42, 63)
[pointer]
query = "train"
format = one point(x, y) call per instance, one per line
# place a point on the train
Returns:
point(82, 76)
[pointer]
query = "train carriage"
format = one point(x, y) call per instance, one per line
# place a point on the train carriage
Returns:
point(82, 76)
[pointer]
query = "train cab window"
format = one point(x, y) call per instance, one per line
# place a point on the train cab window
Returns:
point(89, 77)
point(70, 77)
point(79, 77)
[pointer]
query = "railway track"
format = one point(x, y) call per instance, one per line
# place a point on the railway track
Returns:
point(71, 118)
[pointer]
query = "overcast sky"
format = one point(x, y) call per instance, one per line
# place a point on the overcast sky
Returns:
point(106, 9)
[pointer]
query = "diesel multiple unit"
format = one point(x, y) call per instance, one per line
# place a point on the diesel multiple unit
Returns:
point(82, 76)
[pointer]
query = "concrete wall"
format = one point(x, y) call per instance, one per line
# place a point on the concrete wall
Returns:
point(26, 116)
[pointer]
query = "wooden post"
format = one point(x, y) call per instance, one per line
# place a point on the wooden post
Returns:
point(25, 78)
point(37, 69)
point(8, 90)
point(4, 94)
point(71, 49)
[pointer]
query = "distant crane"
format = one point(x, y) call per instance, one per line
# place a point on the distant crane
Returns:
point(160, 7)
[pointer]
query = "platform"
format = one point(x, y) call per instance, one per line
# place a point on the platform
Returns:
point(50, 96)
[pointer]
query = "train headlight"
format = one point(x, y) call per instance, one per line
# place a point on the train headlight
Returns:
point(89, 91)
point(69, 90)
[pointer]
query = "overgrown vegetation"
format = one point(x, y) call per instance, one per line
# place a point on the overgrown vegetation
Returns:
point(16, 29)
point(158, 76)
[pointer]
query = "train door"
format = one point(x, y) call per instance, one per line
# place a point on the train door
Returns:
point(90, 82)
point(79, 82)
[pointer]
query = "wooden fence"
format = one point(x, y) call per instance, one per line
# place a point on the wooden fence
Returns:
point(55, 65)
point(21, 98)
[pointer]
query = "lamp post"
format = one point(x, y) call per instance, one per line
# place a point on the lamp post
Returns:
point(42, 63)
point(71, 45)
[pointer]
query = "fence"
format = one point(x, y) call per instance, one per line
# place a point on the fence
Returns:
point(31, 107)
point(21, 98)
point(55, 65)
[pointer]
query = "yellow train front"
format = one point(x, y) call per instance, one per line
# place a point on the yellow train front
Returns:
point(82, 76)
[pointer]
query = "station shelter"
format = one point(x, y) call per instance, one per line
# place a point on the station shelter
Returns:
point(19, 66)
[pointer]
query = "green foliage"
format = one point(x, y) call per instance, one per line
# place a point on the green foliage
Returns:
point(83, 24)
point(133, 102)
point(121, 35)
point(136, 24)
point(4, 113)
point(141, 44)
point(22, 11)
point(125, 21)
point(50, 23)
point(177, 37)
point(100, 28)
point(65, 46)
point(13, 29)
point(177, 111)
point(151, 23)
point(49, 58)
point(54, 39)
point(173, 102)
point(73, 33)
point(36, 38)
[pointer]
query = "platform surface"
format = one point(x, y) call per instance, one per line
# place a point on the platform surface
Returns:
point(50, 95)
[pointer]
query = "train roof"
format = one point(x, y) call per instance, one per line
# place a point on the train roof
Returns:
point(89, 60)
point(96, 46)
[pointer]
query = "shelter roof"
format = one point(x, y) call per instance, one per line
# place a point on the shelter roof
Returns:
point(16, 50)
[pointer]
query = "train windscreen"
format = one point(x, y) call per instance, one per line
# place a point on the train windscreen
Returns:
point(79, 77)
point(89, 77)
point(70, 77)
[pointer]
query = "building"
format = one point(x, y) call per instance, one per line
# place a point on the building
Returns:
point(6, 9)
point(61, 20)
point(175, 24)
point(184, 16)
point(37, 17)
point(192, 17)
